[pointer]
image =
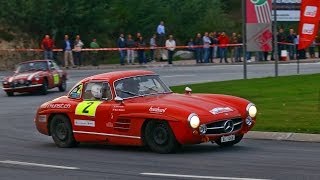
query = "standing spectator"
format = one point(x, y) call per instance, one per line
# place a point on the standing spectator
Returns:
point(153, 45)
point(312, 49)
point(291, 47)
point(318, 44)
point(234, 40)
point(130, 52)
point(47, 46)
point(211, 47)
point(94, 45)
point(190, 45)
point(171, 46)
point(206, 46)
point(215, 43)
point(67, 49)
point(280, 39)
point(198, 50)
point(161, 33)
point(239, 48)
point(223, 42)
point(121, 43)
point(141, 56)
point(78, 44)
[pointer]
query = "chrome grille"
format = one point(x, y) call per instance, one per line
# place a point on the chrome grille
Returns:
point(218, 127)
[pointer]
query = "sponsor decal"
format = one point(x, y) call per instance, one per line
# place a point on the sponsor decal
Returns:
point(311, 11)
point(109, 124)
point(87, 123)
point(42, 118)
point(87, 108)
point(117, 108)
point(308, 28)
point(157, 110)
point(56, 78)
point(58, 106)
point(220, 110)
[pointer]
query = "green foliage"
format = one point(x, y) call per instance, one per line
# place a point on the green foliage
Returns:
point(106, 19)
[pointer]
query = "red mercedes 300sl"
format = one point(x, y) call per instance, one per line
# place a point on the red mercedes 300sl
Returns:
point(137, 108)
point(35, 76)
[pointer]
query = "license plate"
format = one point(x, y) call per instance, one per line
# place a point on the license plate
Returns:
point(228, 138)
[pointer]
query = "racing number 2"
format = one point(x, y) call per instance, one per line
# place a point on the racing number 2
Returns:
point(87, 108)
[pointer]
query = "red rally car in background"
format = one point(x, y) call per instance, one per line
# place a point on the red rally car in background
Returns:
point(35, 76)
point(137, 108)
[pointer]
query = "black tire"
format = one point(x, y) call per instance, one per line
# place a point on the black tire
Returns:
point(44, 87)
point(10, 94)
point(238, 138)
point(61, 132)
point(63, 85)
point(160, 138)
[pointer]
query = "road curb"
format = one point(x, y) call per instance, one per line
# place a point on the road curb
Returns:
point(300, 137)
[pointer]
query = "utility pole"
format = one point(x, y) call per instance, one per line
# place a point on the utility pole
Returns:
point(244, 38)
point(275, 41)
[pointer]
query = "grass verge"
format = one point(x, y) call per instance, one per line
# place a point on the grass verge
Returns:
point(285, 104)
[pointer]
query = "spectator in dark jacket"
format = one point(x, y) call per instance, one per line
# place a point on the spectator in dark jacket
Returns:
point(141, 56)
point(280, 39)
point(291, 47)
point(198, 50)
point(121, 43)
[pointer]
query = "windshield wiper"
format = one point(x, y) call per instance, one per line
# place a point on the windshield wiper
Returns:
point(128, 92)
point(151, 88)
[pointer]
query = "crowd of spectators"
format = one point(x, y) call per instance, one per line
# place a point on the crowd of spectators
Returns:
point(206, 48)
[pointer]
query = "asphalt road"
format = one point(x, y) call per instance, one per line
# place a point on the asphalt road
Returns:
point(26, 154)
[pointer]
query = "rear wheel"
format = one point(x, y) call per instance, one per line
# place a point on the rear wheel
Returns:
point(44, 87)
point(10, 93)
point(238, 138)
point(61, 132)
point(63, 85)
point(160, 138)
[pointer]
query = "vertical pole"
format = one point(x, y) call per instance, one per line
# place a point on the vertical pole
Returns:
point(275, 42)
point(244, 37)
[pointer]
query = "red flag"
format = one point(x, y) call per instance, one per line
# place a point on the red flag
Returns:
point(309, 22)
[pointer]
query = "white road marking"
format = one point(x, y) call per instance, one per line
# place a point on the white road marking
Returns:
point(38, 165)
point(198, 177)
point(178, 75)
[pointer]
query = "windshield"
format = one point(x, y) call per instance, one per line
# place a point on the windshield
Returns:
point(32, 66)
point(140, 86)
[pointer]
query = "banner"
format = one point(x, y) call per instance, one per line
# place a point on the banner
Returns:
point(309, 22)
point(258, 25)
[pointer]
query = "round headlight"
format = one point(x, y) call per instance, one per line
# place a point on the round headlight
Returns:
point(194, 120)
point(252, 110)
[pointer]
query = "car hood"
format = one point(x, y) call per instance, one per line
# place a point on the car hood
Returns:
point(190, 103)
point(24, 75)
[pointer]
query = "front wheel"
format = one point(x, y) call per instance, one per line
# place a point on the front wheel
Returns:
point(238, 138)
point(10, 94)
point(61, 132)
point(160, 138)
point(44, 87)
point(63, 85)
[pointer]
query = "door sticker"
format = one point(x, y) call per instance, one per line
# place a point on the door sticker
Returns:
point(56, 78)
point(87, 108)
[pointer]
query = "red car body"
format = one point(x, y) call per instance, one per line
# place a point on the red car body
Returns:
point(159, 120)
point(35, 76)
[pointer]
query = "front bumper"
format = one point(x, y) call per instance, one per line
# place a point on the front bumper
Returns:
point(22, 88)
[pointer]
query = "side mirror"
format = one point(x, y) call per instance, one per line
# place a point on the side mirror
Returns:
point(187, 90)
point(118, 99)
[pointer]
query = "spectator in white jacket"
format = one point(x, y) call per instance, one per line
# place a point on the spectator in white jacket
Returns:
point(171, 46)
point(78, 44)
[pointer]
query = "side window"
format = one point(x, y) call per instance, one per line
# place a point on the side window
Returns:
point(76, 92)
point(55, 66)
point(97, 91)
